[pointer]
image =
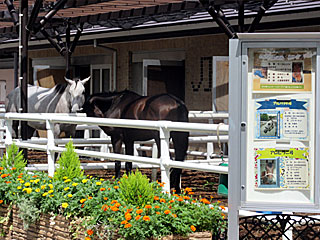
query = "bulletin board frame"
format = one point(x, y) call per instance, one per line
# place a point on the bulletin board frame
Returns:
point(299, 191)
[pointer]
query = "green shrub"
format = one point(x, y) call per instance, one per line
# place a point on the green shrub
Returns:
point(13, 158)
point(136, 189)
point(69, 164)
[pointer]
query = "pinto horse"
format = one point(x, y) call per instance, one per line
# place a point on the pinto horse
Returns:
point(63, 98)
point(129, 105)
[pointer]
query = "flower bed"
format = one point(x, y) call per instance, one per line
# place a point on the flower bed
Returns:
point(84, 207)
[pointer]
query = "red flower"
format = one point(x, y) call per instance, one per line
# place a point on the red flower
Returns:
point(89, 232)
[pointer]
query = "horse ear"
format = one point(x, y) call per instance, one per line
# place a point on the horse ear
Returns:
point(85, 80)
point(68, 80)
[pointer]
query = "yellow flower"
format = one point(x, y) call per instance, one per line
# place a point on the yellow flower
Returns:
point(67, 180)
point(98, 183)
point(37, 190)
point(74, 184)
point(64, 205)
point(84, 180)
point(66, 189)
point(101, 179)
point(45, 194)
point(70, 195)
point(50, 191)
point(32, 180)
point(21, 181)
point(19, 187)
point(50, 186)
point(65, 177)
point(27, 190)
point(51, 195)
point(83, 200)
point(43, 187)
point(37, 180)
point(27, 184)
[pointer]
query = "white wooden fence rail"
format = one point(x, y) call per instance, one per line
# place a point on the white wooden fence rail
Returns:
point(164, 128)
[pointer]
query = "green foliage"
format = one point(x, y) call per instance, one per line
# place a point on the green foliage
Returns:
point(28, 213)
point(136, 189)
point(13, 158)
point(69, 164)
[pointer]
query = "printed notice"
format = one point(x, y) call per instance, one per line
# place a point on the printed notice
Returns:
point(282, 70)
point(282, 119)
point(282, 168)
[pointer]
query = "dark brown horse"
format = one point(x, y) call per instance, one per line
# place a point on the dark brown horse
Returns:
point(129, 105)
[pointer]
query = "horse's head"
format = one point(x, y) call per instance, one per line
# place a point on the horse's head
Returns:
point(76, 91)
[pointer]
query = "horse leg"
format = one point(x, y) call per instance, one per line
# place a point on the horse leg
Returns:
point(180, 142)
point(129, 151)
point(117, 145)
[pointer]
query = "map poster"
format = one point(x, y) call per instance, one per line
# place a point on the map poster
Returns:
point(282, 70)
point(282, 168)
point(282, 119)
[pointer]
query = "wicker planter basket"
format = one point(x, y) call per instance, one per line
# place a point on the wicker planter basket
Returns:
point(55, 228)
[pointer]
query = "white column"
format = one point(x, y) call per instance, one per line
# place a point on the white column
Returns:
point(9, 131)
point(50, 145)
point(154, 155)
point(165, 158)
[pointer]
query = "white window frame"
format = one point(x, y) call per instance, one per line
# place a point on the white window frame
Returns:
point(101, 67)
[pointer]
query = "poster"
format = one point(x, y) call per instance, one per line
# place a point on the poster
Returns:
point(282, 119)
point(282, 168)
point(282, 69)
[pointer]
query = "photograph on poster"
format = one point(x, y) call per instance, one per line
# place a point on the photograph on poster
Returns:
point(282, 119)
point(297, 72)
point(282, 168)
point(268, 123)
point(268, 173)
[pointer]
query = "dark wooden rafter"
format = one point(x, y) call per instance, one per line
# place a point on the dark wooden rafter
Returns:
point(241, 15)
point(59, 41)
point(219, 17)
point(34, 14)
point(261, 12)
point(12, 11)
point(60, 49)
point(76, 38)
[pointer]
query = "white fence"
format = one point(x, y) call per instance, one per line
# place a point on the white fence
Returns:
point(164, 128)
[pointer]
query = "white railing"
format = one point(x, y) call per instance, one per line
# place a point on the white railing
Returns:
point(164, 128)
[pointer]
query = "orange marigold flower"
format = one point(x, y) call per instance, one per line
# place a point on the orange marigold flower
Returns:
point(156, 206)
point(156, 198)
point(115, 209)
point(188, 189)
point(175, 195)
point(1, 168)
point(158, 213)
point(117, 205)
point(124, 222)
point(114, 201)
point(105, 207)
point(87, 238)
point(170, 206)
point(180, 199)
point(171, 201)
point(128, 217)
point(1, 201)
point(129, 210)
point(139, 211)
point(102, 189)
point(146, 218)
point(19, 176)
point(90, 232)
point(174, 215)
point(190, 193)
point(218, 201)
point(90, 197)
point(147, 206)
point(82, 206)
point(127, 225)
point(109, 189)
point(166, 211)
point(138, 217)
point(13, 168)
point(194, 201)
point(105, 198)
point(35, 176)
point(205, 201)
point(186, 197)
point(193, 228)
point(222, 207)
point(174, 190)
point(223, 215)
point(4, 175)
point(116, 187)
point(8, 181)
point(83, 200)
point(162, 200)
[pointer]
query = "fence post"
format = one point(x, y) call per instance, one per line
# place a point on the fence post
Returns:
point(164, 158)
point(9, 130)
point(210, 145)
point(50, 145)
point(154, 155)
